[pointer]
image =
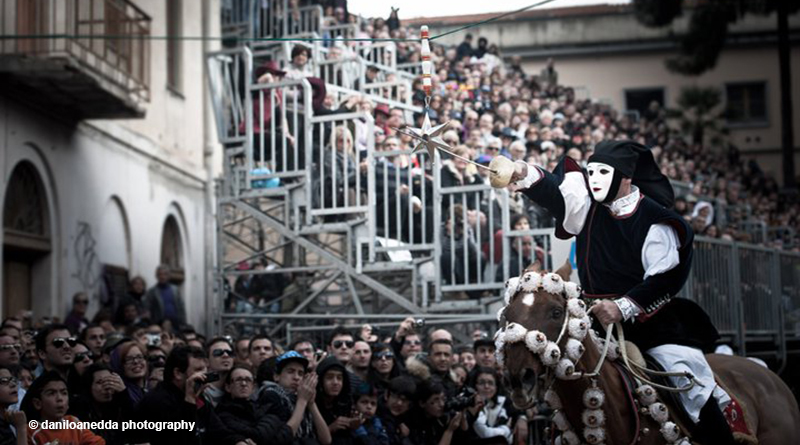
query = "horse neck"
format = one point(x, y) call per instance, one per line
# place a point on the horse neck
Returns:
point(616, 407)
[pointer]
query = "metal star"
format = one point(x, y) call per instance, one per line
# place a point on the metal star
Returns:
point(430, 139)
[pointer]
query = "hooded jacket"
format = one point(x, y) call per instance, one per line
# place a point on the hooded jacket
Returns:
point(341, 405)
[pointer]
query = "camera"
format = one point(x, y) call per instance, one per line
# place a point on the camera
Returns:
point(153, 339)
point(461, 401)
point(419, 323)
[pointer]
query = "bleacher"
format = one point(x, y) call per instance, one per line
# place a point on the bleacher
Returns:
point(365, 234)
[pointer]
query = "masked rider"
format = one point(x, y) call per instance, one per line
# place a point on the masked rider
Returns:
point(634, 255)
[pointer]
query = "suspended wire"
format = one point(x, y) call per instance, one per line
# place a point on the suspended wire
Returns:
point(268, 39)
point(483, 22)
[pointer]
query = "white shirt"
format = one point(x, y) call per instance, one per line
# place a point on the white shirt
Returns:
point(660, 249)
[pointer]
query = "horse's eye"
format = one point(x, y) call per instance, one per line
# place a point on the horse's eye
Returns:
point(557, 314)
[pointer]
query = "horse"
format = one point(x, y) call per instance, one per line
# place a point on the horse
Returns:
point(538, 308)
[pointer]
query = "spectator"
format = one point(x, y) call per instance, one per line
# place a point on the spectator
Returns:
point(493, 423)
point(261, 348)
point(431, 425)
point(395, 409)
point(129, 362)
point(440, 354)
point(292, 398)
point(464, 48)
point(243, 351)
point(54, 348)
point(94, 337)
point(13, 424)
point(383, 367)
point(484, 353)
point(175, 399)
point(299, 67)
point(240, 418)
point(102, 396)
point(220, 361)
point(48, 400)
point(76, 319)
point(137, 288)
point(164, 301)
point(333, 400)
point(466, 357)
point(360, 361)
point(341, 344)
point(371, 430)
point(9, 351)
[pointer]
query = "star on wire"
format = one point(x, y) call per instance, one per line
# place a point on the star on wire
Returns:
point(430, 139)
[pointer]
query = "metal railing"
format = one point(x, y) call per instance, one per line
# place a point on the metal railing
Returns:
point(347, 72)
point(396, 91)
point(381, 53)
point(80, 29)
point(228, 79)
point(278, 19)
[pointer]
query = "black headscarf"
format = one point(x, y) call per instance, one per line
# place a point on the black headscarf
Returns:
point(635, 161)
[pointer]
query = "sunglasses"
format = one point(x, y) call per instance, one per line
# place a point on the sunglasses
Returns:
point(10, 381)
point(81, 356)
point(157, 359)
point(485, 383)
point(16, 346)
point(348, 343)
point(61, 341)
point(412, 342)
point(221, 352)
point(383, 355)
point(81, 301)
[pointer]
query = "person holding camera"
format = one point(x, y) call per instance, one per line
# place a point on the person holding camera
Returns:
point(493, 422)
point(174, 400)
point(432, 424)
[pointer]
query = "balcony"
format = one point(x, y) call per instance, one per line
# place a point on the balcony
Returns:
point(78, 59)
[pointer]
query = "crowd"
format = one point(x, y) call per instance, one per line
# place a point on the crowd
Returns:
point(495, 108)
point(365, 387)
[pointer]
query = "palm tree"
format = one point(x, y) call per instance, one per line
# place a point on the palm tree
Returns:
point(699, 113)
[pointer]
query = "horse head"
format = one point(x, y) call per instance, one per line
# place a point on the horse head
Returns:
point(541, 308)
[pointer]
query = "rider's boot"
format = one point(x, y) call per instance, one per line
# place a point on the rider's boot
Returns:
point(712, 427)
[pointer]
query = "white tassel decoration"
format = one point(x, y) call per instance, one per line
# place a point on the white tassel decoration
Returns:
point(576, 308)
point(593, 417)
point(501, 313)
point(515, 332)
point(594, 436)
point(670, 431)
point(530, 282)
point(572, 289)
point(500, 357)
point(575, 349)
point(593, 398)
point(646, 394)
point(510, 289)
point(535, 341)
point(551, 354)
point(565, 370)
point(552, 399)
point(552, 283)
point(578, 328)
point(659, 412)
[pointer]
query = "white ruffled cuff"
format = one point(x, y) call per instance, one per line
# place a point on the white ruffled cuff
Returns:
point(534, 175)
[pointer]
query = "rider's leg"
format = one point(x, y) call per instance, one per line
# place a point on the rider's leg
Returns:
point(713, 428)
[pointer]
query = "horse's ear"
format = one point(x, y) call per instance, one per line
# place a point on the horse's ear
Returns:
point(535, 267)
point(565, 271)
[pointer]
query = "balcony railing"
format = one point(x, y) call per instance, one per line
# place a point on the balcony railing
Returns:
point(106, 39)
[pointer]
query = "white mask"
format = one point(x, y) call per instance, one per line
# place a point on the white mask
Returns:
point(601, 176)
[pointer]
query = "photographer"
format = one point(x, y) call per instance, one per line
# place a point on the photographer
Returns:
point(175, 399)
point(493, 422)
point(432, 425)
point(406, 342)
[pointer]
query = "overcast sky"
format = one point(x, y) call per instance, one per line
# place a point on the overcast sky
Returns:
point(435, 8)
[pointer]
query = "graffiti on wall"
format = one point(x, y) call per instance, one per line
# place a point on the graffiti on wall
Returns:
point(89, 270)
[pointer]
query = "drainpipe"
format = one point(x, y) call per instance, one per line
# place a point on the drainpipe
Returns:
point(210, 308)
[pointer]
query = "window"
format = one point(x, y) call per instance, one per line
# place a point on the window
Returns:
point(641, 98)
point(174, 45)
point(172, 249)
point(746, 103)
